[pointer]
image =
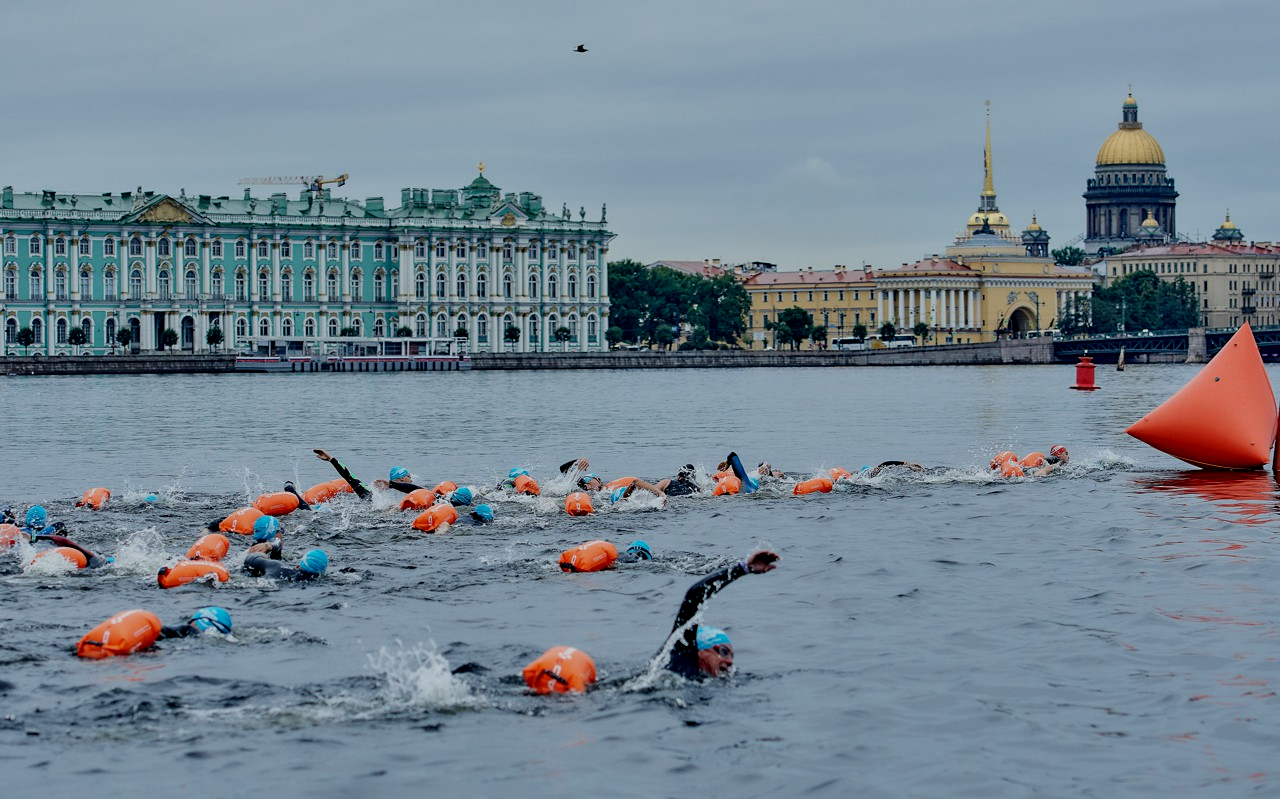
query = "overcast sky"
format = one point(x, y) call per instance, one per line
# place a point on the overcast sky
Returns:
point(800, 133)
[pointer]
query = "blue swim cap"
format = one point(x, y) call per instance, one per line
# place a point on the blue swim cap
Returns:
point(864, 469)
point(516, 472)
point(711, 636)
point(461, 496)
point(314, 562)
point(151, 498)
point(619, 494)
point(587, 478)
point(482, 513)
point(265, 528)
point(37, 517)
point(399, 474)
point(212, 618)
point(640, 549)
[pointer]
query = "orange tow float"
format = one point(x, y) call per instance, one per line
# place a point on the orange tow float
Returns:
point(838, 474)
point(727, 485)
point(1224, 418)
point(822, 484)
point(418, 499)
point(122, 634)
point(187, 571)
point(277, 503)
point(592, 556)
point(10, 534)
point(94, 498)
point(241, 521)
point(527, 485)
point(213, 546)
point(1032, 460)
point(73, 556)
point(445, 488)
point(435, 517)
point(578, 504)
point(559, 670)
point(323, 492)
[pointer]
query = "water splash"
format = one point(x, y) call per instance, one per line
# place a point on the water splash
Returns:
point(420, 677)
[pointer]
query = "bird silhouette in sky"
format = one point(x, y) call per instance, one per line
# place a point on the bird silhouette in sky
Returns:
point(582, 48)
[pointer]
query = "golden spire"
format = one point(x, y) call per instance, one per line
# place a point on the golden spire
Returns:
point(480, 166)
point(988, 183)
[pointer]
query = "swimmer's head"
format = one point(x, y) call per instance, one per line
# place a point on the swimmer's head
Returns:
point(212, 618)
point(715, 651)
point(399, 474)
point(619, 494)
point(517, 471)
point(765, 468)
point(461, 496)
point(483, 514)
point(266, 528)
point(314, 562)
point(687, 472)
point(640, 550)
point(1060, 452)
point(590, 482)
point(151, 499)
point(37, 517)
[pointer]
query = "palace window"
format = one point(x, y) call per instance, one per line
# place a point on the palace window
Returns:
point(216, 248)
point(462, 285)
point(262, 248)
point(240, 249)
point(571, 252)
point(216, 284)
point(162, 282)
point(135, 284)
point(286, 287)
point(331, 250)
point(354, 285)
point(591, 286)
point(242, 327)
point(264, 326)
point(308, 250)
point(571, 287)
point(11, 284)
point(420, 325)
point(482, 329)
point(163, 249)
point(355, 251)
point(440, 283)
point(553, 252)
point(420, 285)
point(533, 286)
point(62, 330)
point(286, 249)
point(482, 286)
point(242, 287)
point(86, 284)
point(379, 328)
point(378, 251)
point(264, 285)
point(60, 248)
point(60, 284)
point(85, 247)
point(109, 285)
point(189, 248)
point(420, 249)
point(10, 245)
point(533, 250)
point(553, 288)
point(508, 252)
point(331, 285)
point(36, 245)
point(379, 281)
point(309, 327)
point(462, 249)
point(440, 249)
point(507, 286)
point(482, 250)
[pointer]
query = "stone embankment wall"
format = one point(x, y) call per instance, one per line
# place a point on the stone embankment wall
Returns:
point(1000, 352)
point(116, 364)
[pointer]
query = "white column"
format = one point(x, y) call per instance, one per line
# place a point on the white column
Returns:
point(275, 270)
point(149, 266)
point(880, 305)
point(344, 251)
point(933, 308)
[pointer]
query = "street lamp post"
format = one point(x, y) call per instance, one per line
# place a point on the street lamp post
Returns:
point(1036, 299)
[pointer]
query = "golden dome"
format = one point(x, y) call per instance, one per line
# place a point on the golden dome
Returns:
point(1150, 222)
point(1228, 225)
point(993, 218)
point(1034, 224)
point(1130, 146)
point(1130, 102)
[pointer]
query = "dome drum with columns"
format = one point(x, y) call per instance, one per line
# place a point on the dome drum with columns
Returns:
point(1129, 187)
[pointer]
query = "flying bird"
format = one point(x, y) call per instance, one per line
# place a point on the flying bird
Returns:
point(582, 48)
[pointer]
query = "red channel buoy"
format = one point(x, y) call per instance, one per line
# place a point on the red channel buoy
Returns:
point(1084, 375)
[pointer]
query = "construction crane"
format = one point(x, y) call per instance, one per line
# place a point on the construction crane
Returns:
point(312, 183)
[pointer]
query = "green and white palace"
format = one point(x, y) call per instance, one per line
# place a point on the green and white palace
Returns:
point(497, 271)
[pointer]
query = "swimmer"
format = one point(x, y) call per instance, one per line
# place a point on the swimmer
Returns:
point(750, 483)
point(95, 561)
point(624, 492)
point(360, 489)
point(310, 566)
point(37, 521)
point(636, 551)
point(202, 621)
point(872, 471)
point(1057, 457)
point(683, 484)
point(482, 514)
point(266, 537)
point(702, 651)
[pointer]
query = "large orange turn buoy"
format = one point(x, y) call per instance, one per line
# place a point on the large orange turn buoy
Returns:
point(822, 484)
point(527, 485)
point(241, 521)
point(94, 498)
point(578, 504)
point(559, 670)
point(277, 503)
point(323, 492)
point(418, 499)
point(435, 517)
point(10, 534)
point(122, 634)
point(621, 482)
point(186, 571)
point(592, 556)
point(445, 488)
point(727, 485)
point(213, 546)
point(1032, 460)
point(1224, 418)
point(73, 556)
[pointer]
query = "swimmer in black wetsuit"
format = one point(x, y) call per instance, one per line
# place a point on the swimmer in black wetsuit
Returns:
point(95, 561)
point(682, 484)
point(360, 489)
point(1057, 458)
point(202, 621)
point(872, 471)
point(706, 651)
point(310, 566)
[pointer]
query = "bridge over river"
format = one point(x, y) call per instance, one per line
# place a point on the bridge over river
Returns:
point(1197, 344)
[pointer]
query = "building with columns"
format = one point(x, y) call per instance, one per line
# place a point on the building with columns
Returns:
point(302, 270)
point(838, 299)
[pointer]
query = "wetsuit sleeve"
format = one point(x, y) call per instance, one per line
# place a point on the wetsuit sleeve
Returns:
point(403, 487)
point(749, 483)
point(684, 653)
point(259, 565)
point(360, 488)
point(176, 632)
point(94, 561)
point(892, 463)
point(565, 467)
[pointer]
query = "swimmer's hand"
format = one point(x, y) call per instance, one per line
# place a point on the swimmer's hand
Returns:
point(762, 561)
point(381, 485)
point(322, 455)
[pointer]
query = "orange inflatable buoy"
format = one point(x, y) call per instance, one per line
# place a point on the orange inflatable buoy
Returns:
point(838, 474)
point(727, 485)
point(277, 503)
point(1223, 418)
point(74, 556)
point(241, 521)
point(213, 546)
point(578, 504)
point(445, 488)
point(559, 670)
point(10, 534)
point(527, 485)
point(1002, 458)
point(435, 517)
point(822, 484)
point(1011, 469)
point(122, 634)
point(621, 482)
point(1033, 460)
point(186, 571)
point(418, 499)
point(94, 498)
point(592, 556)
point(323, 492)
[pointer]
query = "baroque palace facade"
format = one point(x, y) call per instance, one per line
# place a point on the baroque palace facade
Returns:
point(301, 271)
point(989, 283)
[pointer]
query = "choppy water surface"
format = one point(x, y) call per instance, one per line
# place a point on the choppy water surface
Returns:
point(1108, 631)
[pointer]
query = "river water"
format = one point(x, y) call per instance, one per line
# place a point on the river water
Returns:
point(1107, 631)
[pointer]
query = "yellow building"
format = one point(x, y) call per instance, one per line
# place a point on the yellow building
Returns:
point(837, 299)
